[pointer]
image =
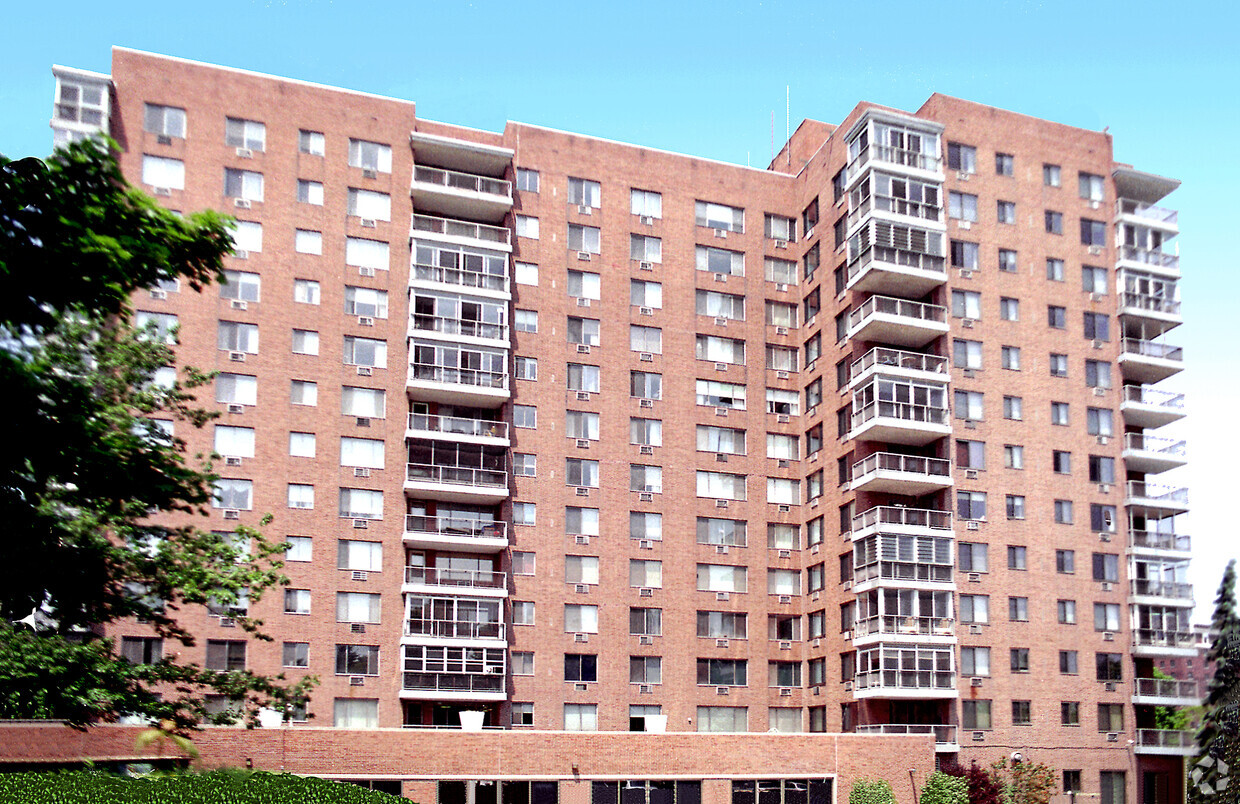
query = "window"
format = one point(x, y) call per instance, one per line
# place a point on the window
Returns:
point(361, 504)
point(526, 368)
point(975, 608)
point(352, 554)
point(241, 286)
point(721, 485)
point(722, 672)
point(581, 424)
point(645, 573)
point(1017, 557)
point(646, 432)
point(523, 563)
point(1021, 713)
point(1066, 611)
point(645, 622)
point(1106, 616)
point(721, 531)
point(1070, 715)
point(580, 472)
point(720, 305)
point(970, 454)
point(1106, 567)
point(225, 654)
point(355, 713)
point(1090, 187)
point(245, 134)
point(580, 717)
point(365, 352)
point(966, 304)
point(720, 350)
point(233, 494)
point(646, 203)
point(166, 121)
point(1013, 456)
point(1063, 512)
point(1015, 507)
point(1067, 662)
point(300, 496)
point(781, 447)
point(362, 253)
point(1013, 408)
point(719, 216)
point(1065, 561)
point(974, 661)
point(645, 385)
point(1061, 462)
point(1009, 309)
point(363, 402)
point(968, 405)
point(1053, 222)
point(722, 719)
point(645, 294)
point(584, 238)
point(965, 255)
point(646, 478)
point(1093, 279)
point(296, 654)
point(721, 578)
point(645, 248)
point(1009, 357)
point(645, 339)
point(308, 242)
point(777, 227)
point(236, 389)
point(971, 504)
point(243, 184)
point(142, 650)
point(305, 291)
point(524, 464)
point(785, 582)
point(1111, 783)
point(962, 206)
point(720, 439)
point(723, 394)
point(782, 491)
point(1110, 716)
point(584, 192)
point(961, 158)
point(581, 521)
point(369, 204)
point(527, 180)
point(645, 670)
point(357, 660)
point(305, 342)
point(1093, 233)
point(1102, 518)
point(1056, 317)
point(1109, 666)
point(247, 237)
point(975, 715)
point(310, 142)
point(522, 712)
point(973, 557)
point(966, 354)
point(159, 171)
point(583, 378)
point(580, 667)
point(1054, 269)
point(525, 416)
point(645, 525)
point(526, 227)
point(1097, 374)
point(1050, 175)
point(523, 513)
point(779, 314)
point(580, 619)
point(1006, 211)
point(1007, 261)
point(720, 261)
point(581, 569)
point(301, 445)
point(370, 156)
point(1004, 164)
point(1059, 365)
point(1018, 609)
point(304, 392)
point(1059, 413)
point(1097, 326)
point(1101, 469)
point(583, 331)
point(525, 320)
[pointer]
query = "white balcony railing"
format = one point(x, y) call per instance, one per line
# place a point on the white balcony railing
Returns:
point(1167, 688)
point(914, 260)
point(1152, 349)
point(894, 515)
point(1157, 493)
point(1166, 738)
point(937, 468)
point(1147, 256)
point(896, 206)
point(460, 276)
point(904, 411)
point(455, 228)
point(460, 475)
point(462, 181)
point(455, 629)
point(458, 376)
point(1152, 540)
point(898, 358)
point(906, 680)
point(1148, 443)
point(903, 308)
point(459, 326)
point(1148, 303)
point(1127, 206)
point(895, 156)
point(1167, 589)
point(454, 682)
point(910, 626)
point(456, 528)
point(457, 425)
point(943, 734)
point(1161, 638)
point(1157, 397)
point(469, 579)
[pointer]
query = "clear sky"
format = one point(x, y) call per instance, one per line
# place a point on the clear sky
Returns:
point(707, 78)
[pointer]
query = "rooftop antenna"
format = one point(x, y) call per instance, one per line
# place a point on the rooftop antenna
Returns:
point(788, 118)
point(772, 137)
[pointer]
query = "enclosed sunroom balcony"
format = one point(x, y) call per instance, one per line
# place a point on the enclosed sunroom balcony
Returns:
point(899, 322)
point(945, 739)
point(1151, 313)
point(909, 475)
point(894, 143)
point(935, 629)
point(898, 363)
point(1153, 500)
point(1145, 361)
point(1148, 408)
point(905, 671)
point(900, 413)
point(433, 619)
point(456, 327)
point(457, 194)
point(1166, 742)
point(895, 519)
point(886, 257)
point(1151, 454)
point(431, 580)
point(1159, 592)
point(456, 534)
point(456, 472)
point(450, 673)
point(1166, 692)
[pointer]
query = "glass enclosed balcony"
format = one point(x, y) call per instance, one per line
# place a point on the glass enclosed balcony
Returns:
point(885, 257)
point(905, 671)
point(467, 580)
point(435, 618)
point(457, 374)
point(458, 231)
point(1153, 500)
point(899, 411)
point(461, 472)
point(438, 266)
point(488, 431)
point(1154, 541)
point(898, 519)
point(448, 673)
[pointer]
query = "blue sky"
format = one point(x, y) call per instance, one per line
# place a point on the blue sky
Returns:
point(706, 78)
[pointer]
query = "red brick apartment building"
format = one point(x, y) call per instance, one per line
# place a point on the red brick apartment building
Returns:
point(574, 435)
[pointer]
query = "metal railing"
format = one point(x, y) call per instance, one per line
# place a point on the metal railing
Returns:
point(454, 682)
point(905, 679)
point(455, 629)
point(897, 624)
point(905, 411)
point(942, 733)
point(1147, 256)
point(460, 276)
point(1160, 638)
point(1160, 541)
point(1166, 738)
point(903, 571)
point(461, 528)
point(1148, 443)
point(915, 260)
point(458, 376)
point(1167, 688)
point(472, 579)
point(462, 181)
point(889, 305)
point(1127, 206)
point(1144, 395)
point(459, 326)
point(458, 425)
point(895, 156)
point(1144, 301)
point(1159, 351)
point(1153, 491)
point(898, 358)
point(894, 462)
point(455, 228)
point(464, 475)
point(893, 515)
point(1168, 589)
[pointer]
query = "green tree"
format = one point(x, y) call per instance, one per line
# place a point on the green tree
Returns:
point(1025, 782)
point(945, 788)
point(86, 472)
point(871, 791)
point(1219, 736)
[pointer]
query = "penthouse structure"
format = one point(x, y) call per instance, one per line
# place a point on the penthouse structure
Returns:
point(569, 434)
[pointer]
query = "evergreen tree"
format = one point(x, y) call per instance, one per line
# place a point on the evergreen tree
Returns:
point(1219, 737)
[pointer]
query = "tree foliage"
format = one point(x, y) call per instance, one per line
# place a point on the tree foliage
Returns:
point(95, 495)
point(236, 787)
point(945, 788)
point(1025, 782)
point(984, 786)
point(1219, 736)
point(871, 791)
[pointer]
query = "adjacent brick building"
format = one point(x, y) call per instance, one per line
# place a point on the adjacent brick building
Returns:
point(615, 439)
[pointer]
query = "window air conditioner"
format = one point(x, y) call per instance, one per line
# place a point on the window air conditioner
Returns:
point(236, 409)
point(360, 471)
point(232, 514)
point(581, 589)
point(583, 255)
point(645, 640)
point(232, 461)
point(369, 223)
point(583, 348)
point(645, 449)
point(645, 403)
point(583, 443)
point(581, 637)
point(721, 233)
point(645, 496)
point(364, 270)
point(241, 203)
point(645, 592)
point(646, 266)
point(364, 371)
point(238, 304)
point(583, 302)
point(781, 244)
point(370, 174)
point(361, 524)
point(360, 575)
point(357, 628)
point(721, 595)
point(581, 538)
point(365, 321)
point(646, 220)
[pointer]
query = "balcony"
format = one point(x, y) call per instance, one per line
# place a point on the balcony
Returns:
point(898, 363)
point(893, 206)
point(454, 629)
point(1159, 642)
point(900, 423)
point(1142, 540)
point(889, 625)
point(1154, 314)
point(1161, 592)
point(461, 232)
point(883, 269)
point(458, 535)
point(1149, 408)
point(456, 483)
point(454, 686)
point(459, 386)
point(435, 579)
point(1166, 692)
point(1167, 742)
point(420, 323)
point(944, 736)
point(1150, 454)
point(1145, 361)
point(458, 428)
point(916, 683)
point(909, 475)
point(457, 194)
point(1138, 212)
point(1149, 260)
point(1153, 500)
point(460, 278)
point(895, 519)
point(885, 319)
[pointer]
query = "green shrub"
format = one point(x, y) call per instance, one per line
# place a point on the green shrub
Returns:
point(871, 791)
point(215, 787)
point(944, 789)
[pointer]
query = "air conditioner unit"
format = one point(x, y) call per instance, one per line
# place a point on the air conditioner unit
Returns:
point(365, 321)
point(721, 595)
point(645, 266)
point(967, 323)
point(241, 203)
point(1104, 537)
point(156, 293)
point(363, 421)
point(970, 424)
point(583, 396)
point(783, 463)
point(228, 622)
point(1107, 586)
point(964, 224)
point(645, 689)
point(645, 592)
point(645, 640)
point(785, 599)
point(969, 373)
point(1097, 296)
point(722, 549)
point(645, 311)
point(360, 575)
point(965, 273)
point(721, 411)
point(972, 526)
point(583, 492)
point(582, 209)
point(1097, 344)
point(1111, 686)
point(163, 139)
point(581, 638)
point(1095, 250)
point(645, 496)
point(721, 367)
point(975, 682)
point(963, 175)
point(1103, 439)
point(1104, 488)
point(233, 461)
point(161, 191)
point(783, 418)
point(721, 232)
point(1100, 392)
point(721, 457)
point(848, 687)
point(785, 554)
point(975, 629)
point(721, 503)
point(368, 223)
point(975, 577)
point(781, 375)
point(581, 687)
point(645, 449)
point(370, 174)
point(236, 409)
point(721, 643)
point(583, 443)
point(245, 153)
point(783, 509)
point(645, 357)
point(364, 270)
point(785, 645)
point(241, 254)
point(1113, 737)
point(970, 474)
point(583, 255)
point(361, 524)
point(1108, 636)
point(646, 220)
point(581, 589)
point(785, 693)
point(583, 348)
point(232, 514)
point(721, 277)
point(847, 584)
point(781, 244)
point(645, 544)
point(357, 628)
point(581, 538)
point(238, 304)
point(365, 371)
point(645, 403)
